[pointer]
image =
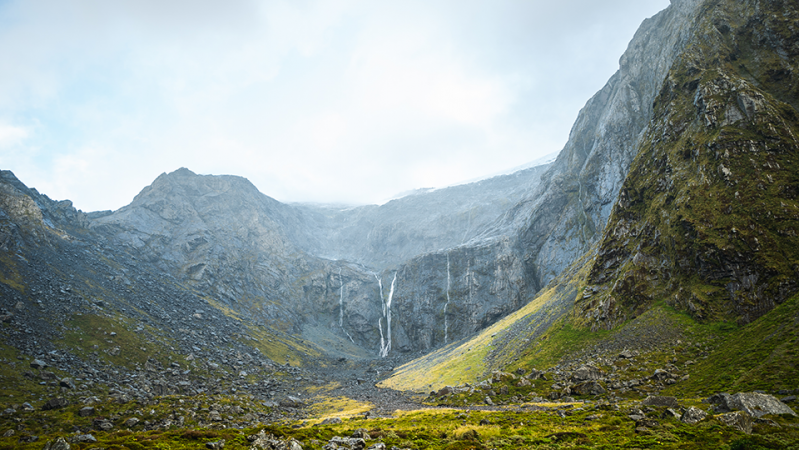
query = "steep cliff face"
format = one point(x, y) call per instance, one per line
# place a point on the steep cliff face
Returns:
point(424, 222)
point(578, 192)
point(559, 220)
point(708, 215)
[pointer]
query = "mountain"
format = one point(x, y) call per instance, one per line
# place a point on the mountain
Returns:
point(655, 260)
point(698, 244)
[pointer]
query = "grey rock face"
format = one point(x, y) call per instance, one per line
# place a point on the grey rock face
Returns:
point(753, 403)
point(693, 415)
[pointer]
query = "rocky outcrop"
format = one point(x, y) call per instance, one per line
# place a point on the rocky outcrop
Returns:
point(564, 216)
point(570, 208)
point(707, 214)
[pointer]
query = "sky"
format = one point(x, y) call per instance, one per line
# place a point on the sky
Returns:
point(313, 101)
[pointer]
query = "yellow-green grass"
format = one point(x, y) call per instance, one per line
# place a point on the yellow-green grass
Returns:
point(88, 335)
point(340, 407)
point(459, 363)
point(9, 274)
point(284, 348)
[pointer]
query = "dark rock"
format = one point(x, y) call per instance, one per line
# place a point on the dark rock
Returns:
point(588, 388)
point(656, 400)
point(86, 411)
point(67, 383)
point(38, 364)
point(361, 433)
point(55, 403)
point(57, 444)
point(586, 373)
point(131, 422)
point(292, 402)
point(220, 444)
point(739, 420)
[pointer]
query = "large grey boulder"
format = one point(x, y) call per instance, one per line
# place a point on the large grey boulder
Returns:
point(693, 415)
point(57, 444)
point(753, 403)
point(587, 372)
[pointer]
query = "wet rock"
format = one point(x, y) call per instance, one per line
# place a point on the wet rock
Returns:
point(26, 407)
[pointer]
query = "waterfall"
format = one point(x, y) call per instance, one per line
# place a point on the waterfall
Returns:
point(446, 305)
point(341, 307)
point(380, 319)
point(387, 348)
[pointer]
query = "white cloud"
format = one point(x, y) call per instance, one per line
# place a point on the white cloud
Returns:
point(11, 135)
point(349, 100)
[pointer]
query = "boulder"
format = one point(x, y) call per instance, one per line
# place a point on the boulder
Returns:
point(88, 438)
point(132, 422)
point(55, 403)
point(498, 376)
point(657, 400)
point(38, 364)
point(739, 420)
point(292, 402)
point(588, 388)
point(693, 415)
point(57, 444)
point(753, 403)
point(586, 373)
point(218, 445)
point(86, 411)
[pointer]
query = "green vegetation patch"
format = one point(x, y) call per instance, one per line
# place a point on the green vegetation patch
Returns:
point(110, 339)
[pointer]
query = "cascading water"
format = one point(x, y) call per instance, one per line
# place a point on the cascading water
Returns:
point(384, 350)
point(341, 307)
point(380, 319)
point(446, 306)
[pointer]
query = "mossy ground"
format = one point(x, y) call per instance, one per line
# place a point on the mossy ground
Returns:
point(581, 426)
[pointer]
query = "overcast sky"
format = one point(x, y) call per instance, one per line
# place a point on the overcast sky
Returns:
point(326, 101)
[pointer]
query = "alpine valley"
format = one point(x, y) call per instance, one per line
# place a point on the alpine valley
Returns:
point(641, 290)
